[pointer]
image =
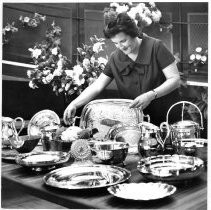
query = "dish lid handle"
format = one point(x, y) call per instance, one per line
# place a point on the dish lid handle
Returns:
point(183, 107)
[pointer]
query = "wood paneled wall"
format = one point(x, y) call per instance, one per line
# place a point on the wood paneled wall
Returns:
point(78, 22)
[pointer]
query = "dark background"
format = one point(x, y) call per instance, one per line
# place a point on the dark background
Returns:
point(79, 21)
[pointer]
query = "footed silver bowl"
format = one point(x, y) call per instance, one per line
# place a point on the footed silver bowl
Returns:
point(110, 152)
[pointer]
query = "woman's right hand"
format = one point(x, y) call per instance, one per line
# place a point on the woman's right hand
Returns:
point(69, 114)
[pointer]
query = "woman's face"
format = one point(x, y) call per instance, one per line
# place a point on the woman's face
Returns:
point(124, 42)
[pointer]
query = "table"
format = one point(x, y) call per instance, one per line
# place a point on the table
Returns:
point(189, 195)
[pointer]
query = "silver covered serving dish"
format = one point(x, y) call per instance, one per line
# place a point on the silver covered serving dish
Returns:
point(170, 168)
point(86, 176)
point(142, 191)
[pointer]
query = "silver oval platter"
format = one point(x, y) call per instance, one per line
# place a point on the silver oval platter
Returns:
point(42, 159)
point(86, 176)
point(142, 191)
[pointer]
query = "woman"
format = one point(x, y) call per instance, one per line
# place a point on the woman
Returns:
point(143, 68)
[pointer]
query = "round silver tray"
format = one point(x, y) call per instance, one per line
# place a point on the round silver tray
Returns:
point(142, 191)
point(40, 120)
point(86, 176)
point(42, 159)
point(170, 168)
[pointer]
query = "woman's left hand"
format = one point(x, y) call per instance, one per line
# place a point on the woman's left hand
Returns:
point(142, 101)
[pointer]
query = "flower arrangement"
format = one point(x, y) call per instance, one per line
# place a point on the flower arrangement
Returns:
point(32, 21)
point(198, 58)
point(144, 14)
point(52, 67)
point(91, 62)
point(7, 32)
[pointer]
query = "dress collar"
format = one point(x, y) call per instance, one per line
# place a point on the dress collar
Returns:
point(144, 55)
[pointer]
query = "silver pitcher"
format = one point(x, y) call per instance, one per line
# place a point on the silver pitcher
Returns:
point(9, 130)
point(153, 138)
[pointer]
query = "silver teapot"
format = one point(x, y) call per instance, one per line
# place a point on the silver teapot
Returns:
point(9, 131)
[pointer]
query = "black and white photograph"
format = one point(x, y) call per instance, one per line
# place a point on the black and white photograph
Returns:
point(104, 104)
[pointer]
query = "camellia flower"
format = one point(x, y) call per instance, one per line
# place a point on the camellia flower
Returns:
point(32, 85)
point(49, 77)
point(152, 4)
point(198, 49)
point(121, 9)
point(102, 60)
point(46, 72)
point(147, 21)
point(86, 63)
point(29, 73)
point(77, 69)
point(192, 57)
point(69, 73)
point(26, 19)
point(92, 59)
point(156, 16)
point(78, 78)
point(97, 47)
point(54, 51)
point(204, 58)
point(132, 13)
point(44, 81)
point(35, 52)
point(57, 72)
point(198, 56)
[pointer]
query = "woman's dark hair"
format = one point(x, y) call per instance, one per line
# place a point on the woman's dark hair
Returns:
point(119, 23)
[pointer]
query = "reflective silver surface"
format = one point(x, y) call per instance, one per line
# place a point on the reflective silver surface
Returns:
point(42, 159)
point(170, 168)
point(110, 152)
point(86, 176)
point(104, 113)
point(40, 120)
point(142, 191)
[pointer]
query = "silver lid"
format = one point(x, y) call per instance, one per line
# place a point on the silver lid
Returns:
point(185, 124)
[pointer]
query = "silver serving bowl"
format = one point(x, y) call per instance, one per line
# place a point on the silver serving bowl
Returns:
point(170, 168)
point(110, 152)
point(56, 145)
point(24, 144)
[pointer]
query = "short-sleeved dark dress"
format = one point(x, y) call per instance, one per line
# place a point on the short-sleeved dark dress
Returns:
point(136, 77)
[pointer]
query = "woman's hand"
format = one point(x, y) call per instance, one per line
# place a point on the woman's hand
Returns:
point(142, 101)
point(69, 114)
